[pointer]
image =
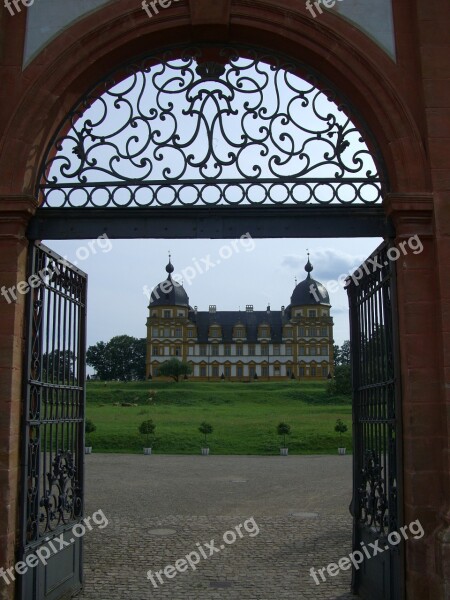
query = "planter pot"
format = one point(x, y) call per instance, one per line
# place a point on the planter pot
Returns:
point(342, 450)
point(88, 449)
point(147, 450)
point(205, 451)
point(284, 451)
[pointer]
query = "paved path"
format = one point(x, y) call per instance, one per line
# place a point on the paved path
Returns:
point(161, 508)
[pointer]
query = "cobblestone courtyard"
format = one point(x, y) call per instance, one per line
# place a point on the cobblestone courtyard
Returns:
point(160, 507)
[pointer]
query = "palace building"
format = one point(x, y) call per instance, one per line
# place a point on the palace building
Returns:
point(294, 342)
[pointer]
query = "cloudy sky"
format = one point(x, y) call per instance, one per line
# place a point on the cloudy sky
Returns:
point(227, 273)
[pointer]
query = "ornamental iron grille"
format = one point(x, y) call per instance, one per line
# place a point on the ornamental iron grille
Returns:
point(376, 424)
point(210, 126)
point(53, 437)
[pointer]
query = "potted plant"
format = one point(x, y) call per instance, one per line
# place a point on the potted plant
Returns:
point(284, 429)
point(89, 427)
point(340, 428)
point(147, 428)
point(206, 429)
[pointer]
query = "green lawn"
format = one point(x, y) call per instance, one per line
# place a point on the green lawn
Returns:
point(244, 416)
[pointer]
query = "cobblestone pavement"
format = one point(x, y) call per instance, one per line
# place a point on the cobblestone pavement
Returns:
point(160, 507)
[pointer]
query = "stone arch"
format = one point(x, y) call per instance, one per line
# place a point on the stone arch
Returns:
point(38, 98)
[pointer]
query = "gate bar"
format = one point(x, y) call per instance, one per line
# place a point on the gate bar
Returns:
point(215, 222)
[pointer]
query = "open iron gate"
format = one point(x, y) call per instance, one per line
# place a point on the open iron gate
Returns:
point(53, 427)
point(377, 479)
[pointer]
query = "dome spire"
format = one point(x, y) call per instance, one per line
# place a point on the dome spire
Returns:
point(308, 268)
point(169, 267)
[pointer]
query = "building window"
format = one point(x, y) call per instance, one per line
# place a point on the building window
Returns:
point(190, 333)
point(288, 333)
point(181, 313)
point(302, 350)
point(177, 351)
point(324, 350)
point(178, 332)
point(203, 350)
point(324, 371)
point(239, 350)
point(155, 331)
point(239, 333)
point(277, 371)
point(302, 371)
point(288, 350)
point(190, 350)
point(313, 350)
point(155, 371)
point(317, 332)
point(215, 350)
point(167, 314)
point(251, 371)
point(301, 331)
point(312, 313)
point(227, 350)
point(227, 371)
point(313, 371)
point(202, 371)
point(239, 371)
point(324, 331)
point(215, 371)
point(264, 349)
point(276, 350)
point(251, 350)
point(155, 351)
point(166, 332)
point(288, 371)
point(265, 371)
point(264, 332)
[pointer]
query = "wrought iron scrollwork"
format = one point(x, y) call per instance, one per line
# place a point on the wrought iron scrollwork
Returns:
point(373, 502)
point(207, 126)
point(61, 502)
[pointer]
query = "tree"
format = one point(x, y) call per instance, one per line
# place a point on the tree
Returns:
point(206, 429)
point(284, 429)
point(342, 355)
point(175, 368)
point(123, 357)
point(336, 354)
point(341, 382)
point(147, 428)
point(89, 427)
point(58, 366)
point(340, 427)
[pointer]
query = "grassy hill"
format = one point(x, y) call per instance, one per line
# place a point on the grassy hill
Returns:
point(244, 416)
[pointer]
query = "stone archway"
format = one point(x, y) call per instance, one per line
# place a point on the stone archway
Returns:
point(45, 90)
